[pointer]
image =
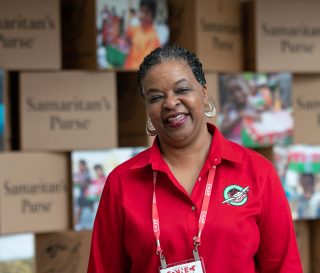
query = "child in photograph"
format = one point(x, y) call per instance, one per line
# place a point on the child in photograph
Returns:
point(100, 179)
point(143, 38)
point(84, 206)
point(309, 200)
point(260, 97)
point(235, 108)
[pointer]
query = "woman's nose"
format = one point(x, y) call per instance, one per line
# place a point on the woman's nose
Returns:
point(171, 101)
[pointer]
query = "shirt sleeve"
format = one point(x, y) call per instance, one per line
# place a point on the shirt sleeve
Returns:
point(278, 251)
point(107, 254)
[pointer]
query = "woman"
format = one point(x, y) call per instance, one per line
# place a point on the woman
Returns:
point(193, 193)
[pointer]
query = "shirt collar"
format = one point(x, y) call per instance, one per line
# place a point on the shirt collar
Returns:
point(220, 149)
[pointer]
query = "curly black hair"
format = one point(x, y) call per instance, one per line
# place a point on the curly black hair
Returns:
point(167, 53)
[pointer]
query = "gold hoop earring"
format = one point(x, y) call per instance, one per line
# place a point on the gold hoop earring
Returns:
point(150, 130)
point(211, 112)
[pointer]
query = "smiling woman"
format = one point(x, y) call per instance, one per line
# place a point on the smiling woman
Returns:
point(216, 204)
point(176, 105)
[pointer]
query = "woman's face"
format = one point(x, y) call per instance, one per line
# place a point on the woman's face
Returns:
point(175, 102)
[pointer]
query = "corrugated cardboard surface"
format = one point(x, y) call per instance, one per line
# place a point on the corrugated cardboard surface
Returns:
point(132, 115)
point(211, 29)
point(34, 192)
point(79, 34)
point(30, 34)
point(182, 16)
point(63, 252)
point(306, 109)
point(302, 230)
point(315, 245)
point(219, 35)
point(283, 39)
point(68, 110)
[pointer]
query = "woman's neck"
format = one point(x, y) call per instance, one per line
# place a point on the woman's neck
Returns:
point(187, 155)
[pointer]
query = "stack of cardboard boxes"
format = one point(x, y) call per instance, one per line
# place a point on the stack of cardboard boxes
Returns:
point(60, 110)
point(268, 50)
point(45, 113)
point(59, 125)
point(284, 36)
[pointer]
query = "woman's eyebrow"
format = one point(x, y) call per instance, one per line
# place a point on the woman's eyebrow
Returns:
point(180, 81)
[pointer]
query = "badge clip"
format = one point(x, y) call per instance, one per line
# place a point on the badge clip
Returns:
point(195, 250)
point(196, 255)
point(163, 261)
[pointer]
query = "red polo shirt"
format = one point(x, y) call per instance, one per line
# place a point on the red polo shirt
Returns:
point(248, 232)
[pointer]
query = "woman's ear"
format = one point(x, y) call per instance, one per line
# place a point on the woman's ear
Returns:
point(205, 93)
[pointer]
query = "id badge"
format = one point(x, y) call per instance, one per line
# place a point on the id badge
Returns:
point(190, 266)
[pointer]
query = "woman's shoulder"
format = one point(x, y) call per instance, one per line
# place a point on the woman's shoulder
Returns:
point(261, 156)
point(138, 160)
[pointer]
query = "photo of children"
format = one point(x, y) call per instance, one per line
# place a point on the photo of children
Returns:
point(128, 30)
point(256, 108)
point(299, 169)
point(89, 171)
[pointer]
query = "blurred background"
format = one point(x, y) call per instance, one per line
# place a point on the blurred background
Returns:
point(71, 109)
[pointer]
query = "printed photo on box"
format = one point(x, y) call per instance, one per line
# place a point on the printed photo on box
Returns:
point(256, 108)
point(2, 110)
point(90, 170)
point(299, 169)
point(128, 30)
point(17, 253)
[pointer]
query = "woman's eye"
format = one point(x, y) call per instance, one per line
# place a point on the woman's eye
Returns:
point(182, 90)
point(154, 99)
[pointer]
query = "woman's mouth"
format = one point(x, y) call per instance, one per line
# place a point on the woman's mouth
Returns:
point(176, 120)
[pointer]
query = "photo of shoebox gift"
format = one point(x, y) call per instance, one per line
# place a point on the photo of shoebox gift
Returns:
point(255, 108)
point(298, 167)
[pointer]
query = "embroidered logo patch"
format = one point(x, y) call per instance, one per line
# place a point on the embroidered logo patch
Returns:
point(235, 195)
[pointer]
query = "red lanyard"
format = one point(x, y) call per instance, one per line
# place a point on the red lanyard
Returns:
point(203, 214)
point(155, 215)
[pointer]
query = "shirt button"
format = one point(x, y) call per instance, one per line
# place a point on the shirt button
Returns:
point(215, 161)
point(199, 179)
point(193, 208)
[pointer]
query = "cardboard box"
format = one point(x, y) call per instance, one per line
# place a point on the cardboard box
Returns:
point(211, 29)
point(282, 36)
point(17, 253)
point(256, 108)
point(111, 34)
point(34, 192)
point(132, 115)
point(63, 252)
point(30, 34)
point(306, 109)
point(302, 230)
point(315, 246)
point(68, 110)
point(90, 170)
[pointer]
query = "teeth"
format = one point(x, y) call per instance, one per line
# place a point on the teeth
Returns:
point(175, 117)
